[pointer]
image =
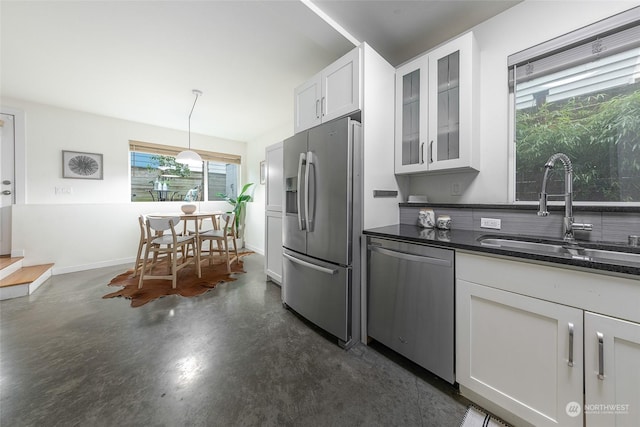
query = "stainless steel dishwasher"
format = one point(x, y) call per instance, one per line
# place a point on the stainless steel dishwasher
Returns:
point(411, 302)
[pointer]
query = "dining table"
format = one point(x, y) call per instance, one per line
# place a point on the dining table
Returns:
point(197, 218)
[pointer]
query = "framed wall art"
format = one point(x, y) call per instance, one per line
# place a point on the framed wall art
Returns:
point(80, 165)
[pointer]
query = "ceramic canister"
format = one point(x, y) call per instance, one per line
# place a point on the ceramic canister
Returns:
point(427, 218)
point(444, 222)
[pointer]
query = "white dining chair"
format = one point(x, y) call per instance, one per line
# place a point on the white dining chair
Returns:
point(224, 237)
point(170, 246)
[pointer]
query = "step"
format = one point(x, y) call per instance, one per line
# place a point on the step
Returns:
point(9, 265)
point(24, 281)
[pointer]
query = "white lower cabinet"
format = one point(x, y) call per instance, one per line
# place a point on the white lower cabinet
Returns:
point(273, 250)
point(612, 372)
point(520, 353)
point(547, 346)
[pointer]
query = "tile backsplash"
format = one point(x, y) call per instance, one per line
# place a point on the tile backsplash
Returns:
point(607, 226)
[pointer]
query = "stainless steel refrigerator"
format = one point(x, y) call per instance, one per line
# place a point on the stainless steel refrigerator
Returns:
point(321, 273)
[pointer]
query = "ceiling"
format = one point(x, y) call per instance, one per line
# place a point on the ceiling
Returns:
point(140, 60)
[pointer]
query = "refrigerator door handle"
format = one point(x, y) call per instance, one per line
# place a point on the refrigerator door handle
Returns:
point(301, 161)
point(309, 221)
point(310, 265)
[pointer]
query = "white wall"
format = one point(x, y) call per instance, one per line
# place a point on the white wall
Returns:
point(520, 27)
point(254, 239)
point(96, 224)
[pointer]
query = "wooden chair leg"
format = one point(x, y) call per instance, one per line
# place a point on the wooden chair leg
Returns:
point(174, 267)
point(138, 258)
point(235, 249)
point(196, 250)
point(144, 267)
point(225, 243)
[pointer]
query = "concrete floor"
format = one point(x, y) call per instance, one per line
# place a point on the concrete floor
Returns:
point(231, 357)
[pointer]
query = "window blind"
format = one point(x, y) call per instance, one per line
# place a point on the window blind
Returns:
point(168, 150)
point(602, 39)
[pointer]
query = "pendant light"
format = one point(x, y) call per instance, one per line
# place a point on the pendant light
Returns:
point(190, 157)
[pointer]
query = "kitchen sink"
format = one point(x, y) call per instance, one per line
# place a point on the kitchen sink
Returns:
point(559, 248)
point(612, 255)
point(522, 244)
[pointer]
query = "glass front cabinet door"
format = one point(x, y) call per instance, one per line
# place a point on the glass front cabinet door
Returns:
point(453, 105)
point(411, 116)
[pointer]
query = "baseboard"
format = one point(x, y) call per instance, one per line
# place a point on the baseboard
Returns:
point(15, 253)
point(92, 266)
point(39, 281)
point(254, 248)
point(492, 408)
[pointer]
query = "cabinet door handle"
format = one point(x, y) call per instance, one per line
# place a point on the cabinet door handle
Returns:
point(422, 153)
point(317, 111)
point(323, 106)
point(570, 344)
point(600, 355)
point(431, 152)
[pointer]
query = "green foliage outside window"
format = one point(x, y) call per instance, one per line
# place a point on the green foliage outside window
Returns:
point(600, 134)
point(169, 166)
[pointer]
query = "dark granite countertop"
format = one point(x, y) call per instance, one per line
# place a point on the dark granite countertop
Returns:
point(468, 240)
point(524, 207)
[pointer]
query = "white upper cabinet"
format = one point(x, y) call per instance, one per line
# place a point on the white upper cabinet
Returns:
point(438, 131)
point(332, 93)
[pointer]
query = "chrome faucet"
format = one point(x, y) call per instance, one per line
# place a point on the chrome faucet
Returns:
point(569, 225)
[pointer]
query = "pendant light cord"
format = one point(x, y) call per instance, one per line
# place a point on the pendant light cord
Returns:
point(192, 107)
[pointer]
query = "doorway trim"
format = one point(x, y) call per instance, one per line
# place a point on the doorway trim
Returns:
point(19, 154)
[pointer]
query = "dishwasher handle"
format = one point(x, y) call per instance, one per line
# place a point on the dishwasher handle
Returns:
point(410, 257)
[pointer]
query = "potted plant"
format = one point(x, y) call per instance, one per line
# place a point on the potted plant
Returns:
point(239, 207)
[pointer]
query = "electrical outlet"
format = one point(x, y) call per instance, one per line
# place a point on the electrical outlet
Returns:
point(63, 190)
point(493, 223)
point(455, 189)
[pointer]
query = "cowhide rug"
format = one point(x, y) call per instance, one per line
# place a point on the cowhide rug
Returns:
point(188, 283)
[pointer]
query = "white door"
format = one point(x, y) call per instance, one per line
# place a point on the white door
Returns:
point(307, 104)
point(273, 245)
point(612, 371)
point(452, 117)
point(521, 353)
point(7, 138)
point(341, 87)
point(411, 116)
point(275, 182)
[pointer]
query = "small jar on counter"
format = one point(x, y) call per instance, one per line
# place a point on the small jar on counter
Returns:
point(443, 222)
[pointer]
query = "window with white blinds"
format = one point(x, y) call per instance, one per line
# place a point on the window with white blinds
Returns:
point(579, 94)
point(156, 176)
